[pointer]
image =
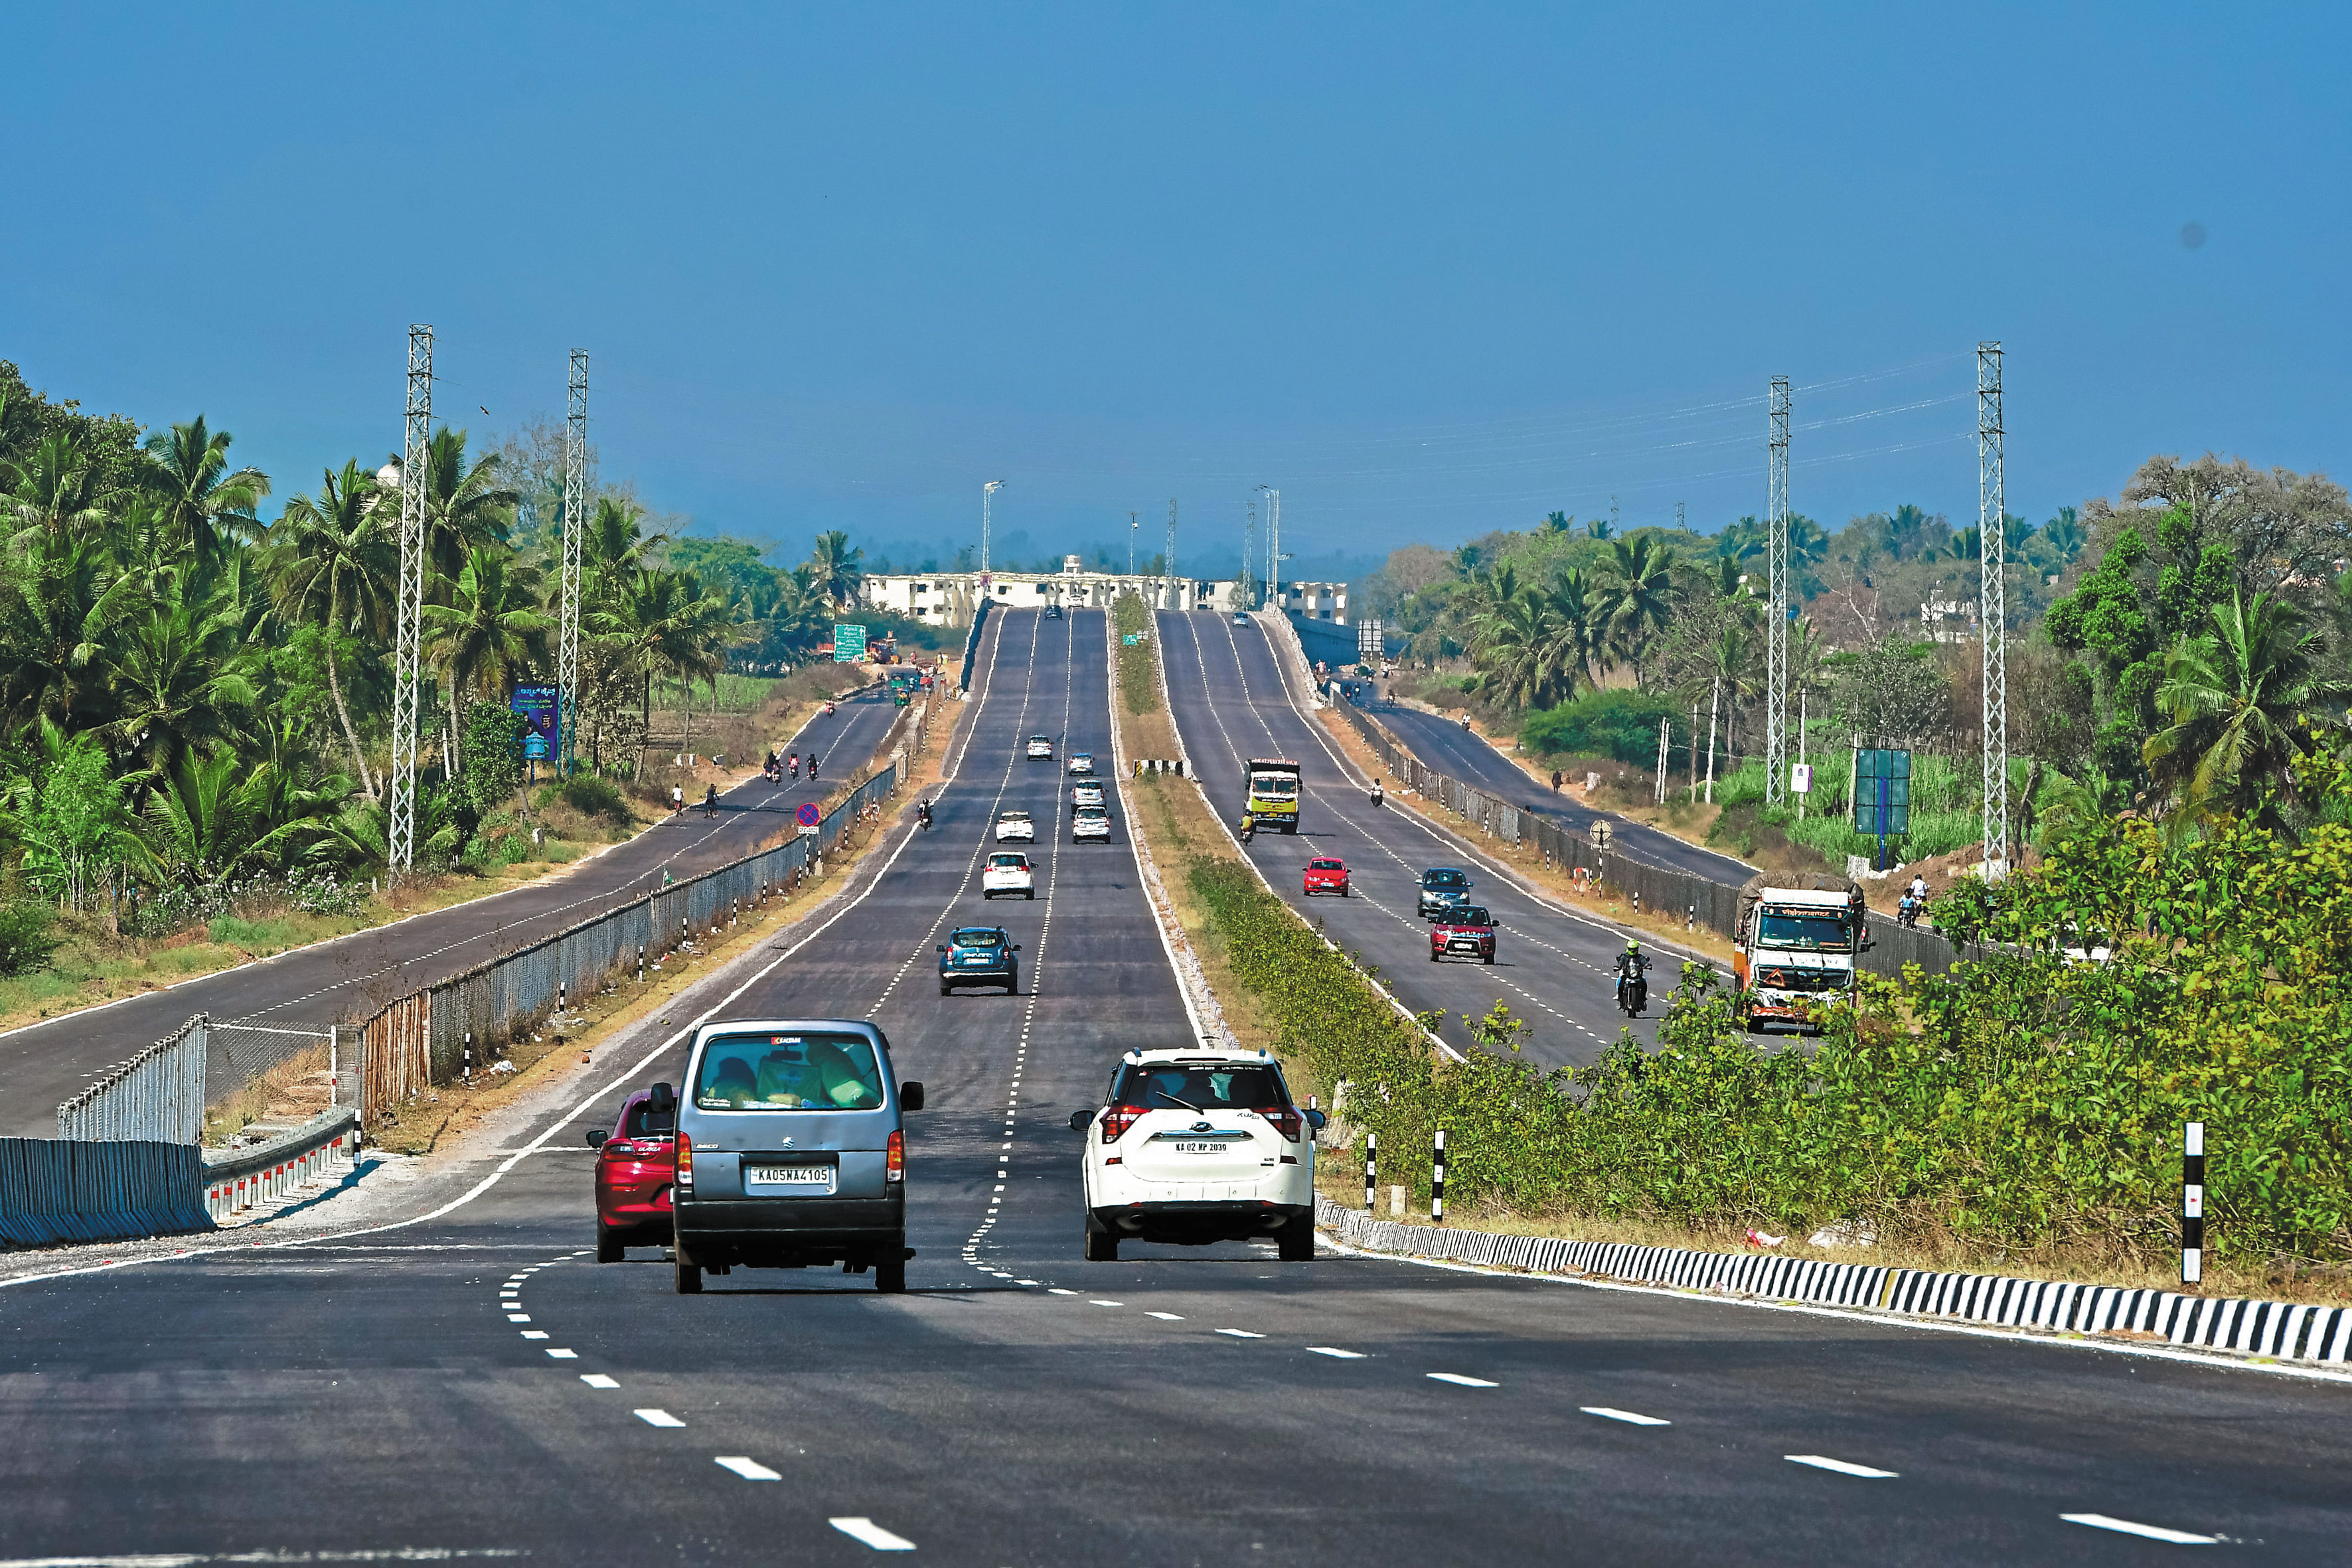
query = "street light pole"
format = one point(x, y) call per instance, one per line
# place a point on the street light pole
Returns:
point(986, 491)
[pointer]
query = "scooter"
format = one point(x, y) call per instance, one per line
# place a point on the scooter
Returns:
point(1633, 993)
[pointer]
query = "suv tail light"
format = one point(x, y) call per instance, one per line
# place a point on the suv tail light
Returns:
point(685, 1181)
point(894, 1163)
point(1286, 1119)
point(1117, 1119)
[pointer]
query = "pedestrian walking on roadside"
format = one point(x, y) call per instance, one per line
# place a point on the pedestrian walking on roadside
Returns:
point(1555, 781)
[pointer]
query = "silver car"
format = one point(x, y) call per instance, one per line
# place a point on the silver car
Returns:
point(790, 1151)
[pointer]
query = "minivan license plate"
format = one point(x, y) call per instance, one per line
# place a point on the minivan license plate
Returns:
point(1200, 1148)
point(819, 1177)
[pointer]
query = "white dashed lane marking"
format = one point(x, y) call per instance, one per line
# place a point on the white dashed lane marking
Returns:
point(1612, 1414)
point(566, 1355)
point(1821, 1462)
point(1456, 1378)
point(597, 1380)
point(861, 1529)
point(750, 1469)
point(657, 1418)
point(1336, 1351)
point(2148, 1532)
point(1241, 1333)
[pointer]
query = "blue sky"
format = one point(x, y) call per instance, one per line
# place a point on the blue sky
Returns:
point(1430, 271)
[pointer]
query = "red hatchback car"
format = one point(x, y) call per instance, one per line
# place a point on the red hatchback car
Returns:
point(634, 1165)
point(1465, 931)
point(1326, 874)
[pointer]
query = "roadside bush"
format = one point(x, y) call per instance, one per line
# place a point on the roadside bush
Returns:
point(592, 796)
point(1618, 724)
point(27, 937)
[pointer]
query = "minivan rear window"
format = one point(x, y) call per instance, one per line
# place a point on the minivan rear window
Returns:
point(788, 1072)
point(1200, 1085)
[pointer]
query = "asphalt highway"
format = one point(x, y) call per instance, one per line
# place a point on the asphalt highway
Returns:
point(343, 981)
point(471, 1381)
point(1553, 969)
point(1446, 746)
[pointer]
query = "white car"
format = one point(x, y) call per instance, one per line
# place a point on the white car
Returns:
point(1090, 822)
point(1008, 871)
point(1085, 793)
point(1041, 746)
point(1082, 763)
point(1015, 825)
point(1196, 1146)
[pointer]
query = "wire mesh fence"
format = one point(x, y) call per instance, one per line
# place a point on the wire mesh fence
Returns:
point(157, 1096)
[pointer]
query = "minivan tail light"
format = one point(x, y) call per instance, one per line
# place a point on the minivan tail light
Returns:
point(684, 1164)
point(894, 1166)
point(1285, 1120)
point(1117, 1119)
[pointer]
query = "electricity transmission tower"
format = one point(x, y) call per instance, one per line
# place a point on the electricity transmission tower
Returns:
point(575, 524)
point(1775, 636)
point(1992, 609)
point(986, 491)
point(409, 601)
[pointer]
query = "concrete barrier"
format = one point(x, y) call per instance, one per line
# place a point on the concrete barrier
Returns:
point(55, 1190)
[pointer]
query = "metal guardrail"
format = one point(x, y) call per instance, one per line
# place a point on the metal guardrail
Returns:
point(264, 1172)
point(1700, 901)
point(158, 1096)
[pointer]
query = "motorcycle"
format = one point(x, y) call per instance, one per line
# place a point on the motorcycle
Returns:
point(812, 767)
point(1906, 913)
point(828, 709)
point(923, 816)
point(1633, 993)
point(1249, 827)
point(794, 765)
point(1379, 796)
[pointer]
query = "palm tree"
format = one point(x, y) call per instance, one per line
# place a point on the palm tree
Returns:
point(2066, 535)
point(491, 629)
point(332, 561)
point(203, 503)
point(838, 573)
point(182, 682)
point(54, 623)
point(2233, 698)
point(54, 491)
point(463, 506)
point(212, 820)
point(1638, 595)
point(615, 543)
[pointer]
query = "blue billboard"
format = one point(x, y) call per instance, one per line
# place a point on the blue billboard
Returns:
point(540, 711)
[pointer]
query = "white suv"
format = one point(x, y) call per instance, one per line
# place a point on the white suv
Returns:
point(1008, 871)
point(1197, 1146)
point(1041, 746)
point(1082, 763)
point(1090, 822)
point(1011, 825)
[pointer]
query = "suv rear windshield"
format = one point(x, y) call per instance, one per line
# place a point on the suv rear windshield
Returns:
point(1014, 862)
point(788, 1072)
point(977, 938)
point(1200, 1085)
point(1468, 915)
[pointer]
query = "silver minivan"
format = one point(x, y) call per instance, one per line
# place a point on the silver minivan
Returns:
point(790, 1151)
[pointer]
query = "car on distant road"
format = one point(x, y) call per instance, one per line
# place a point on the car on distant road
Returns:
point(1041, 746)
point(1240, 619)
point(1195, 1146)
point(1443, 887)
point(1086, 792)
point(1053, 612)
point(1008, 871)
point(1090, 822)
point(980, 955)
point(791, 1152)
point(1082, 764)
point(1465, 931)
point(1326, 874)
point(633, 1173)
point(1015, 825)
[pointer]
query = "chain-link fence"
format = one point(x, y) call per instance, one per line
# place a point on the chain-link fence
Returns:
point(1699, 900)
point(158, 1096)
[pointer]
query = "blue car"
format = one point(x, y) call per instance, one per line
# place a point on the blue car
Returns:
point(980, 955)
point(1443, 887)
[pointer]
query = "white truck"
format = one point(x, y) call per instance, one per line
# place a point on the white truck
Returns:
point(1795, 953)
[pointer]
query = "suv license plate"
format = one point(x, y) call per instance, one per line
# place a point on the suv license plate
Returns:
point(819, 1177)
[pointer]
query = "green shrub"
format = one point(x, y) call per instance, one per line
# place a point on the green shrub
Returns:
point(592, 796)
point(27, 937)
point(1619, 723)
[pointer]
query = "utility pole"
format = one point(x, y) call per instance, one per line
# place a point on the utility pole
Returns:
point(1273, 547)
point(1993, 609)
point(575, 525)
point(1249, 544)
point(986, 491)
point(1776, 637)
point(1171, 556)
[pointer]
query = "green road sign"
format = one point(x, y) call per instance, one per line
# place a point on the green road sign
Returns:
point(848, 644)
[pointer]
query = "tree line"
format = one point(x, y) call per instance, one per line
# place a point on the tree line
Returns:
point(194, 695)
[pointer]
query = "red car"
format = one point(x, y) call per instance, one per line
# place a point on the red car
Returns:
point(1465, 931)
point(634, 1165)
point(1326, 876)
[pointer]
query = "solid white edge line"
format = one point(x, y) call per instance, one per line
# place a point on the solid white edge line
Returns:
point(860, 1528)
point(2152, 1531)
point(1807, 1309)
point(1841, 1467)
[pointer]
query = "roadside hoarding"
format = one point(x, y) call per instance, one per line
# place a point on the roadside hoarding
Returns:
point(539, 709)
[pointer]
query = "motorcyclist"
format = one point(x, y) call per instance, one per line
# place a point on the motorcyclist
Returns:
point(1378, 795)
point(1249, 826)
point(812, 767)
point(793, 765)
point(923, 815)
point(1631, 964)
point(1918, 889)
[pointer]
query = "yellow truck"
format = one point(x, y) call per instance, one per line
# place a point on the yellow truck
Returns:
point(1273, 792)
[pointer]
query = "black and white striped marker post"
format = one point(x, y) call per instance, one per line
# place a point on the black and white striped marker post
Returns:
point(1437, 1181)
point(2192, 1203)
point(1371, 1166)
